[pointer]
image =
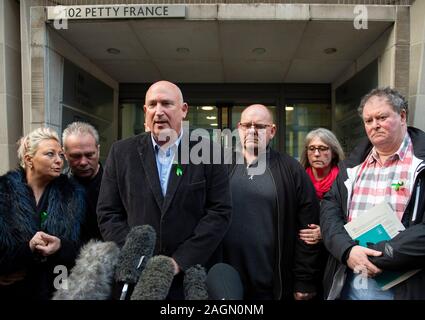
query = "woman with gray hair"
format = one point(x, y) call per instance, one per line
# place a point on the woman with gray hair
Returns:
point(41, 212)
point(321, 155)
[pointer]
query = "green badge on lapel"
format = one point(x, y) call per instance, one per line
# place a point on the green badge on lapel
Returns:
point(179, 170)
point(397, 185)
point(43, 216)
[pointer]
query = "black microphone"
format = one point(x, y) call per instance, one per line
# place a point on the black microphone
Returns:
point(194, 283)
point(138, 248)
point(92, 276)
point(156, 279)
point(224, 283)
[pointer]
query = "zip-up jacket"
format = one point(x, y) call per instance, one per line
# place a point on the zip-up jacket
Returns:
point(406, 251)
point(297, 264)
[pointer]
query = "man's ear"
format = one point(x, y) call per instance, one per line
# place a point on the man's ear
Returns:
point(403, 116)
point(185, 109)
point(273, 131)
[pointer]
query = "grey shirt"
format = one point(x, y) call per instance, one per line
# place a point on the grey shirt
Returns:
point(249, 245)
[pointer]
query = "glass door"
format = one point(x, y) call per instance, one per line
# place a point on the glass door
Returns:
point(301, 118)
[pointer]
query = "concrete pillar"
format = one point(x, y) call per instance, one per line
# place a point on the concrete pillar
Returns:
point(417, 65)
point(41, 72)
point(394, 60)
point(10, 84)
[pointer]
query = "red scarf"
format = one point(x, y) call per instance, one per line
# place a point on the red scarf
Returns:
point(325, 184)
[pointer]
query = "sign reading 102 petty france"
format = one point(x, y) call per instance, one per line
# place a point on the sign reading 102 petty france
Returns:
point(116, 11)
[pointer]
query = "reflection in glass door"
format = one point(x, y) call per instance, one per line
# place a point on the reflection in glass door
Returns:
point(302, 118)
point(206, 117)
point(132, 119)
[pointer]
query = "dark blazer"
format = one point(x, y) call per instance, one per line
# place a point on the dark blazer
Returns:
point(192, 218)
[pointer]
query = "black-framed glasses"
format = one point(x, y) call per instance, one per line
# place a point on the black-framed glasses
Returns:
point(313, 149)
point(256, 126)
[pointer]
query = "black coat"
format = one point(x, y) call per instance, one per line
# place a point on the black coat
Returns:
point(90, 229)
point(190, 221)
point(18, 224)
point(406, 251)
point(297, 266)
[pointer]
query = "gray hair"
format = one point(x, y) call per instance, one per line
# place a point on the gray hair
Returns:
point(328, 138)
point(393, 97)
point(28, 145)
point(79, 128)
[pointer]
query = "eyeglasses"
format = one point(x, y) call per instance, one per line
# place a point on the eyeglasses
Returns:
point(256, 126)
point(313, 149)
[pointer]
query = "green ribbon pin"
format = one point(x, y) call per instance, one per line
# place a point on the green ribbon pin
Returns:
point(43, 216)
point(397, 185)
point(179, 170)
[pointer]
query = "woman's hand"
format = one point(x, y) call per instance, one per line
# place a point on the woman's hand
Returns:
point(36, 240)
point(45, 244)
point(8, 279)
point(311, 235)
point(304, 295)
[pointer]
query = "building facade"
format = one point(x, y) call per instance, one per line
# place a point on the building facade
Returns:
point(308, 61)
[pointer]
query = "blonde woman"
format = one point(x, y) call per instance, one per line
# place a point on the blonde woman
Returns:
point(41, 212)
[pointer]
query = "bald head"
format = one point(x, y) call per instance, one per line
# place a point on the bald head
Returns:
point(164, 109)
point(260, 111)
point(166, 86)
point(256, 129)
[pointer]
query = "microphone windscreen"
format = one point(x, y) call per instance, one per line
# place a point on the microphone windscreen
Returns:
point(92, 276)
point(140, 242)
point(155, 281)
point(194, 283)
point(224, 283)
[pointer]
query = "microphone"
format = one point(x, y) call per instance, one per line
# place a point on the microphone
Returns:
point(194, 283)
point(224, 283)
point(138, 248)
point(156, 279)
point(92, 276)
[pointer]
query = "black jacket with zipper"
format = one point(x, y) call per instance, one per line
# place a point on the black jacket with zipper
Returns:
point(297, 264)
point(404, 252)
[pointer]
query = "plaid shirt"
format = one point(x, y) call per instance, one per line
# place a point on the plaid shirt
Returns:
point(388, 182)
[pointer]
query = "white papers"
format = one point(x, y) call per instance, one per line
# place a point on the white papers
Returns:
point(381, 214)
point(378, 224)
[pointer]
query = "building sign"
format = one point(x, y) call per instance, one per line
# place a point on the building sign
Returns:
point(115, 12)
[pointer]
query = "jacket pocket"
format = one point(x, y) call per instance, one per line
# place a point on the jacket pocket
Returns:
point(196, 185)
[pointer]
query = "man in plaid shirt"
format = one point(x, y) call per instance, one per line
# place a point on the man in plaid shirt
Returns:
point(387, 167)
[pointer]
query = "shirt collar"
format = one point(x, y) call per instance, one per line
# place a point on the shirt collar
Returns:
point(175, 145)
point(399, 154)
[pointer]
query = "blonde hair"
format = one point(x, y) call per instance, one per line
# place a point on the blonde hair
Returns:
point(328, 138)
point(28, 144)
